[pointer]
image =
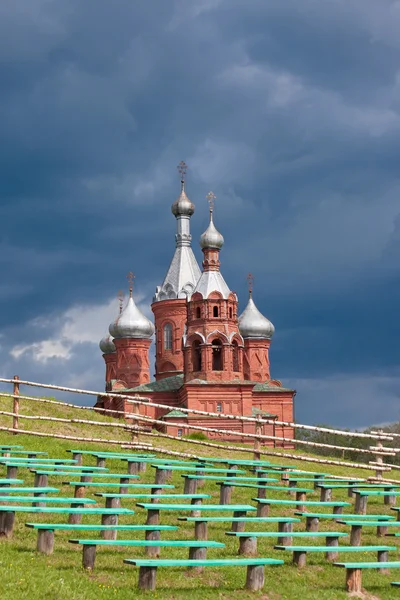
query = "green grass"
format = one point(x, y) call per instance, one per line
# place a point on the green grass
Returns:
point(25, 574)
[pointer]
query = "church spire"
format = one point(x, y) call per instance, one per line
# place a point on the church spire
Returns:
point(183, 272)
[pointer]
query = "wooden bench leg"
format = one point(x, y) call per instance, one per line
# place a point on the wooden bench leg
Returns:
point(147, 578)
point(88, 556)
point(41, 480)
point(301, 497)
point(317, 480)
point(285, 540)
point(142, 467)
point(133, 469)
point(255, 578)
point(332, 542)
point(262, 492)
point(360, 506)
point(200, 482)
point(196, 502)
point(225, 494)
point(190, 486)
point(12, 472)
point(161, 476)
point(100, 462)
point(389, 500)
point(262, 510)
point(40, 495)
point(337, 510)
point(109, 519)
point(248, 545)
point(300, 558)
point(326, 495)
point(197, 554)
point(383, 556)
point(78, 457)
point(80, 491)
point(153, 517)
point(7, 524)
point(312, 523)
point(201, 530)
point(45, 541)
point(292, 484)
point(353, 580)
point(124, 481)
point(381, 530)
point(153, 551)
point(238, 525)
point(355, 535)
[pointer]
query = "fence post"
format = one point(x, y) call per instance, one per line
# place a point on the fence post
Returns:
point(16, 403)
point(135, 433)
point(257, 441)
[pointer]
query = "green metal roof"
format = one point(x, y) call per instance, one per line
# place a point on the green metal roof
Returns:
point(169, 384)
point(175, 413)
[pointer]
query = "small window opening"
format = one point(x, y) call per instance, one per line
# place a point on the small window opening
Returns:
point(168, 336)
point(230, 312)
point(198, 312)
point(215, 311)
point(219, 406)
point(196, 356)
point(180, 432)
point(217, 355)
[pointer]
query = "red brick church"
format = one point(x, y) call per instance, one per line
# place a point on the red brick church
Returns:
point(207, 357)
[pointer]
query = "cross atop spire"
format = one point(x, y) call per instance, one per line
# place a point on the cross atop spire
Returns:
point(250, 281)
point(211, 200)
point(130, 277)
point(182, 169)
point(120, 297)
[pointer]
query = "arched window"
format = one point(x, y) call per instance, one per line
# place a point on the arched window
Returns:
point(230, 312)
point(215, 311)
point(217, 363)
point(196, 356)
point(235, 355)
point(168, 336)
point(198, 312)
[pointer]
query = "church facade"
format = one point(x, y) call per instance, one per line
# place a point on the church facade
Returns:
point(207, 356)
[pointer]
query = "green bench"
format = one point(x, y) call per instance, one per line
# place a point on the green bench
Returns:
point(226, 488)
point(255, 569)
point(135, 465)
point(12, 467)
point(326, 488)
point(4, 482)
point(123, 487)
point(238, 523)
point(115, 499)
point(42, 476)
point(354, 572)
point(102, 456)
point(29, 453)
point(312, 519)
point(332, 551)
point(45, 537)
point(248, 539)
point(191, 481)
point(38, 461)
point(264, 505)
point(163, 472)
point(197, 549)
point(357, 525)
point(28, 490)
point(362, 498)
point(109, 516)
point(153, 510)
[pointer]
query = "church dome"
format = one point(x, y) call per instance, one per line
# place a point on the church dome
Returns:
point(182, 205)
point(107, 345)
point(252, 324)
point(132, 323)
point(211, 238)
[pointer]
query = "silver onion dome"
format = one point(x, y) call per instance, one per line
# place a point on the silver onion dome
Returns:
point(182, 205)
point(211, 238)
point(252, 324)
point(132, 323)
point(107, 345)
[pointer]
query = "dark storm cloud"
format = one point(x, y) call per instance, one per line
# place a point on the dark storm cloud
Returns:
point(289, 111)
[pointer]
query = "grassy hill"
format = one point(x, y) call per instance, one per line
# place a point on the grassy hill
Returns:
point(28, 575)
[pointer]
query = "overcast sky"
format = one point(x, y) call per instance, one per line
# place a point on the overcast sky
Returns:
point(289, 110)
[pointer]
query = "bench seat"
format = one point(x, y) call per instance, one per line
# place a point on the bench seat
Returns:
point(331, 551)
point(312, 519)
point(238, 523)
point(265, 503)
point(357, 525)
point(354, 572)
point(45, 537)
point(197, 549)
point(248, 539)
point(254, 578)
point(29, 490)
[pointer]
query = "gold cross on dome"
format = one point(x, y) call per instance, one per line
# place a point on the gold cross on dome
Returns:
point(130, 277)
point(250, 281)
point(211, 200)
point(182, 169)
